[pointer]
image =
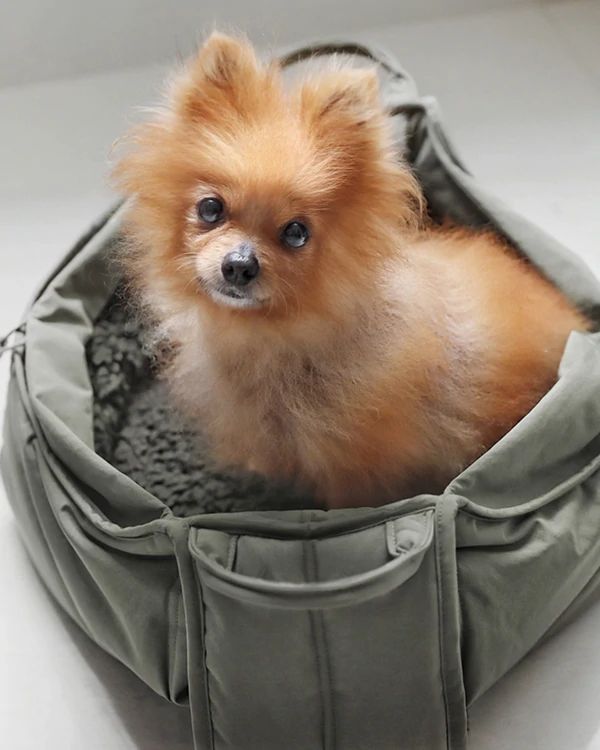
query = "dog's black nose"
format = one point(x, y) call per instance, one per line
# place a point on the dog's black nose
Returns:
point(240, 266)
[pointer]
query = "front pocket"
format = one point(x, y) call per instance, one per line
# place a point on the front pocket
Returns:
point(331, 642)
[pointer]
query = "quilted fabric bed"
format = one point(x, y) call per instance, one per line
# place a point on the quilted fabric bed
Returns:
point(277, 623)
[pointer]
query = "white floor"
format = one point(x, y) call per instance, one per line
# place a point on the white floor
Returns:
point(520, 89)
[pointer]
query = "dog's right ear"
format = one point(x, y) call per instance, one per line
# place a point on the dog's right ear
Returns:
point(225, 70)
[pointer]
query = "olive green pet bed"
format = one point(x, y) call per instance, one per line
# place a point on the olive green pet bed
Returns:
point(284, 626)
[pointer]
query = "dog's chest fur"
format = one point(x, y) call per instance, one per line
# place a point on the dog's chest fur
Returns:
point(279, 406)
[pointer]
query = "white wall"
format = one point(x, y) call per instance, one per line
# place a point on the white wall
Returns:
point(45, 39)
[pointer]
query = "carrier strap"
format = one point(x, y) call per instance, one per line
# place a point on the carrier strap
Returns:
point(317, 49)
point(382, 58)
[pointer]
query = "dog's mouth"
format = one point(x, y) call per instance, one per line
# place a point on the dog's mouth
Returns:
point(231, 296)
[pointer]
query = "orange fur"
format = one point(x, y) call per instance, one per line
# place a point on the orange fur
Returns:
point(383, 357)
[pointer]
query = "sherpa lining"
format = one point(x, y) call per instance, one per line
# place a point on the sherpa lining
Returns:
point(140, 433)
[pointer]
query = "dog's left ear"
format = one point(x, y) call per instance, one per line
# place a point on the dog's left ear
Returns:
point(350, 95)
point(225, 69)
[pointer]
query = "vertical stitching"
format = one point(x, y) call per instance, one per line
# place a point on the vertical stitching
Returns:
point(443, 507)
point(440, 599)
point(313, 635)
point(331, 738)
point(175, 593)
point(193, 603)
point(206, 669)
point(319, 639)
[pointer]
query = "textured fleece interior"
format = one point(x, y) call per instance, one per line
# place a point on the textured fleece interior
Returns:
point(139, 431)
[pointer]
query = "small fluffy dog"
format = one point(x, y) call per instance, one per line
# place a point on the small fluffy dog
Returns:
point(323, 334)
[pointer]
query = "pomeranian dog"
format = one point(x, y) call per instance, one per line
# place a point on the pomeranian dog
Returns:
point(323, 333)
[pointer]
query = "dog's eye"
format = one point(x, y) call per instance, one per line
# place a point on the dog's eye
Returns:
point(210, 210)
point(295, 234)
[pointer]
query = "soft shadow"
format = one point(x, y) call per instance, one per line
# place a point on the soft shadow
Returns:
point(550, 699)
point(152, 722)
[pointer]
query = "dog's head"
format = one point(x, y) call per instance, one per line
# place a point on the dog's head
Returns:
point(262, 199)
